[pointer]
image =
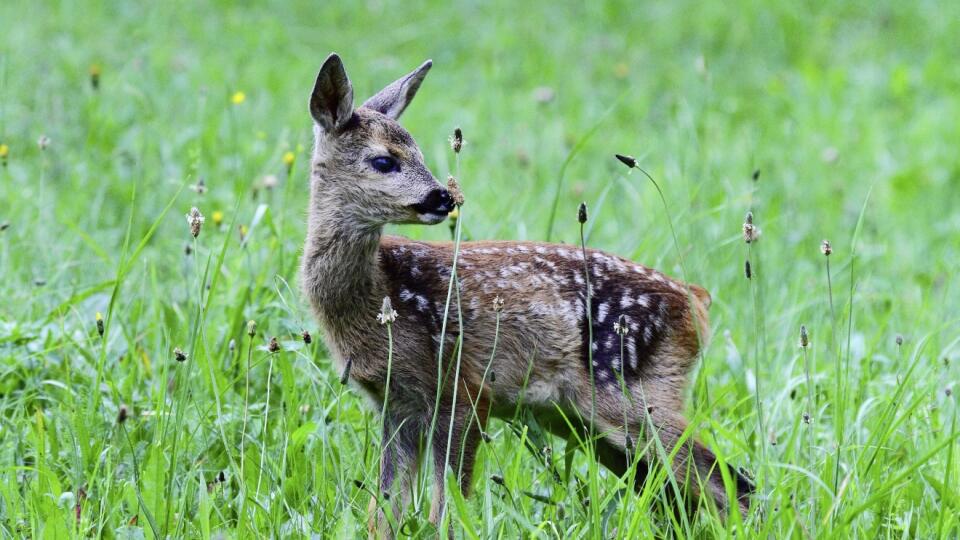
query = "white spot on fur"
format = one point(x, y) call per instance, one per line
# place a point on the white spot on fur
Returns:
point(643, 301)
point(647, 335)
point(626, 301)
point(602, 311)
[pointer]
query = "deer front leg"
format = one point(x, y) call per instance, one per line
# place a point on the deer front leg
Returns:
point(469, 418)
point(399, 458)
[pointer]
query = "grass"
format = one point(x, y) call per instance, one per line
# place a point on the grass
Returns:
point(848, 110)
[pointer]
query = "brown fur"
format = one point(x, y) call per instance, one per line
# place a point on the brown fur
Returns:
point(543, 357)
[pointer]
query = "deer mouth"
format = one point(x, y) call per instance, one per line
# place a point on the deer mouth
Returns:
point(435, 207)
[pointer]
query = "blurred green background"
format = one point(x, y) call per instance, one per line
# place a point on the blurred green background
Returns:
point(843, 108)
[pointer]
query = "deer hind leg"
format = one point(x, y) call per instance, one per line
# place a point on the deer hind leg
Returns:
point(399, 459)
point(656, 429)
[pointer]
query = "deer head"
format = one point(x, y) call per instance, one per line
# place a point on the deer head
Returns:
point(367, 169)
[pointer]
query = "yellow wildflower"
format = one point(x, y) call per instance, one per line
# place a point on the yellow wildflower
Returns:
point(217, 217)
point(238, 97)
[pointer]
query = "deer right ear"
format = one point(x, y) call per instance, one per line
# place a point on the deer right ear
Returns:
point(331, 103)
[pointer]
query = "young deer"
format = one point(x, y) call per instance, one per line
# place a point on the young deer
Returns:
point(367, 172)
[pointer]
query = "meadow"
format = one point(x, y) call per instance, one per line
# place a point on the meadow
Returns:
point(137, 398)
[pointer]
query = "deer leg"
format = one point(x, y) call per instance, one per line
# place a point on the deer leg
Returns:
point(399, 458)
point(608, 454)
point(695, 468)
point(469, 419)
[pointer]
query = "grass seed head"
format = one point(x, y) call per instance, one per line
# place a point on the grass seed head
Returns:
point(274, 345)
point(620, 327)
point(200, 187)
point(232, 346)
point(826, 248)
point(756, 175)
point(122, 414)
point(387, 314)
point(629, 161)
point(497, 479)
point(751, 233)
point(43, 142)
point(99, 318)
point(806, 418)
point(497, 304)
point(345, 376)
point(307, 338)
point(899, 340)
point(95, 76)
point(455, 192)
point(195, 220)
point(179, 355)
point(582, 213)
point(747, 271)
point(251, 328)
point(804, 338)
point(456, 142)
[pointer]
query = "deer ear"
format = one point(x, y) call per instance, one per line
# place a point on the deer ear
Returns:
point(392, 100)
point(331, 103)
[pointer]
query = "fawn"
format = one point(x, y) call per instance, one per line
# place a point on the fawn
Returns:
point(367, 172)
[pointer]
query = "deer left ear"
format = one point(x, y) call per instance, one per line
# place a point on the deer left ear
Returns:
point(392, 100)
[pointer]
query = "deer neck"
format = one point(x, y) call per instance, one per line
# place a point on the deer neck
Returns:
point(341, 274)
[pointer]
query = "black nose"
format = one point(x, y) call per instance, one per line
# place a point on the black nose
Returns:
point(437, 201)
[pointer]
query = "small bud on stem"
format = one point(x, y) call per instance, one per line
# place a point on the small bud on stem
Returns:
point(627, 160)
point(387, 314)
point(457, 141)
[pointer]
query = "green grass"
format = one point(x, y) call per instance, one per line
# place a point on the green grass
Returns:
point(847, 110)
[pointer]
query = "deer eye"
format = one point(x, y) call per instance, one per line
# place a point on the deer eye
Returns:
point(385, 164)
